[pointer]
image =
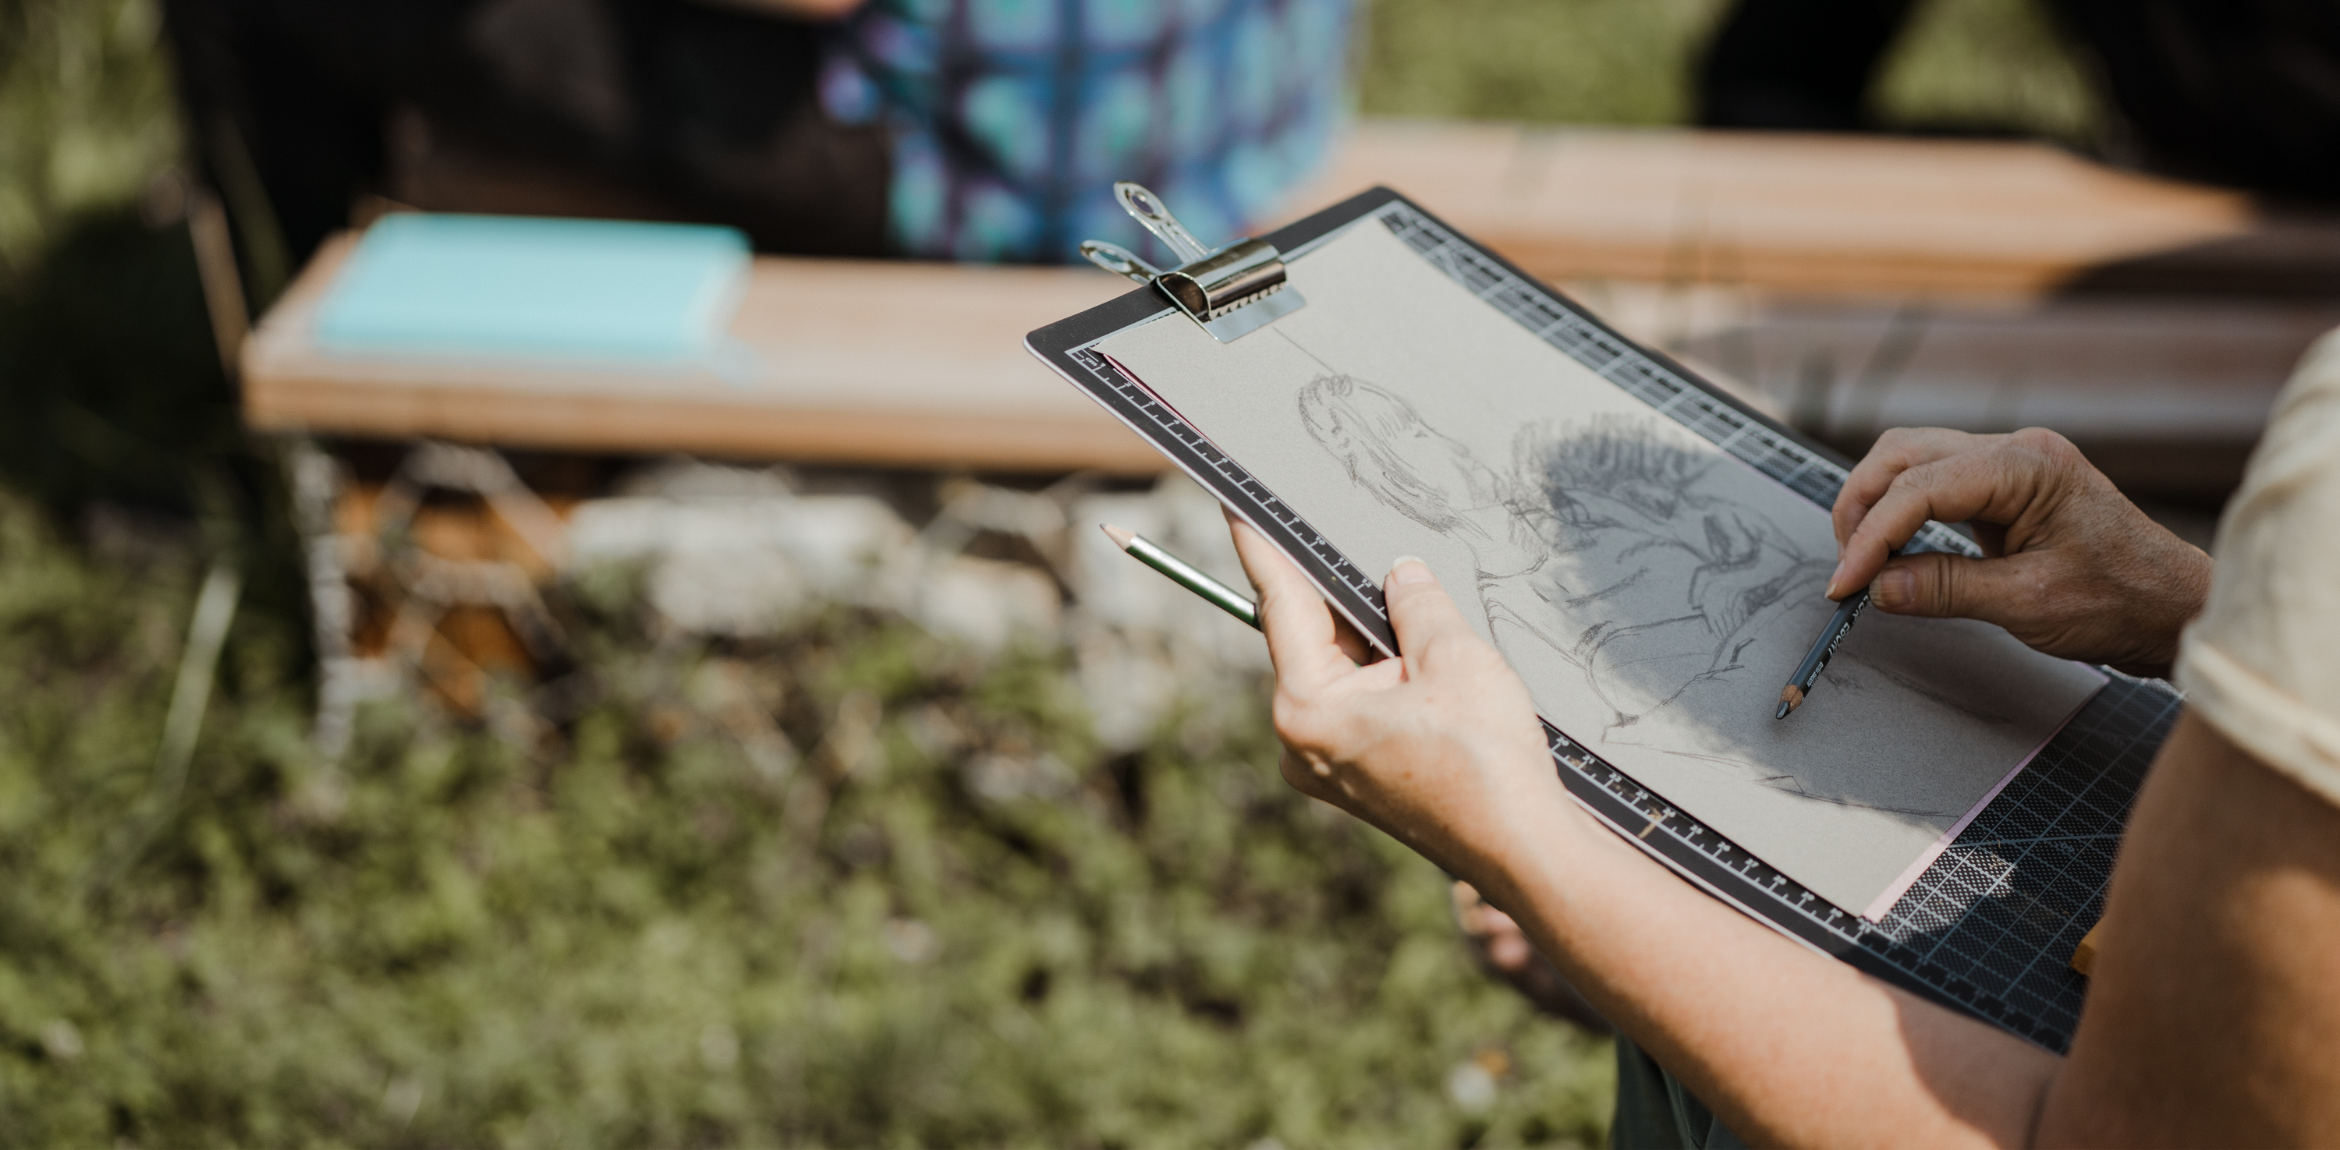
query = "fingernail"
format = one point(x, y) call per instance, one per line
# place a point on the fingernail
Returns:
point(1894, 589)
point(1835, 577)
point(1409, 569)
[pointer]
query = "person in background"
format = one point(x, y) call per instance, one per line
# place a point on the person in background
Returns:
point(946, 129)
point(1009, 123)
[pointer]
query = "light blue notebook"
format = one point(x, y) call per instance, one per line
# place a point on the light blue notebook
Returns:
point(633, 293)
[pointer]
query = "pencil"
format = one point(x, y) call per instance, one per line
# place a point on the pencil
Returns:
point(1807, 673)
point(1184, 574)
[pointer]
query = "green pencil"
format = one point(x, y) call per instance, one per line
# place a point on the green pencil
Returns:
point(1184, 574)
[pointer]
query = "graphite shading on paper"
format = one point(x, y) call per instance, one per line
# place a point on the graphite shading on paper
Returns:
point(1653, 591)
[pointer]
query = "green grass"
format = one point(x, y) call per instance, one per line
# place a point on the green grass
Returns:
point(628, 931)
point(1988, 65)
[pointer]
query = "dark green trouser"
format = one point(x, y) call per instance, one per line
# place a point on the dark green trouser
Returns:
point(1654, 1111)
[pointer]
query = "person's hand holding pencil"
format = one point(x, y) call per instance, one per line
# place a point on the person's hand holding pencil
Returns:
point(2070, 567)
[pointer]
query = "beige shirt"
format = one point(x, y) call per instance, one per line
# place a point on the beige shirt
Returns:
point(2262, 664)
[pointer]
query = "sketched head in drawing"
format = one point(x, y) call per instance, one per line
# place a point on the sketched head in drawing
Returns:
point(1393, 453)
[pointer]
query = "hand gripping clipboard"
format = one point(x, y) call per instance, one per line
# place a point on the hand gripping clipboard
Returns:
point(1986, 929)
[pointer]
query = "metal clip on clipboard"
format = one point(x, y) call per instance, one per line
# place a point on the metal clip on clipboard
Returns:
point(1232, 291)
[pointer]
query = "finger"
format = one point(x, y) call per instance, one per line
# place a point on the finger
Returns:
point(1953, 489)
point(1421, 612)
point(1305, 777)
point(1360, 650)
point(1896, 451)
point(1345, 635)
point(2012, 593)
point(1466, 900)
point(1297, 621)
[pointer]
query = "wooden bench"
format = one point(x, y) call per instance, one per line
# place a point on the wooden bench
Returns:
point(907, 364)
point(1844, 216)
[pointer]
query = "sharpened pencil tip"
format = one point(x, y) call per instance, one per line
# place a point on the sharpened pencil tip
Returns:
point(1119, 536)
point(1790, 698)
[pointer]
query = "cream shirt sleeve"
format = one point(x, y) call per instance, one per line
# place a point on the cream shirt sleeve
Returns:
point(2262, 664)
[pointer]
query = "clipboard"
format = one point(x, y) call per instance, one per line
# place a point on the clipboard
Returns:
point(1986, 929)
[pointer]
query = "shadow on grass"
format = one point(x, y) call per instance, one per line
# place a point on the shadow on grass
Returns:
point(118, 422)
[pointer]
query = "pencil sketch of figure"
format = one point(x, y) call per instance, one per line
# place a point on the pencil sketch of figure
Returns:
point(1601, 540)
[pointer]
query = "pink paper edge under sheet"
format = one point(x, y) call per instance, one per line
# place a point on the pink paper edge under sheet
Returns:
point(1900, 886)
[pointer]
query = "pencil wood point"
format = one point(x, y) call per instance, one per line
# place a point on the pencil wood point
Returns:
point(1790, 698)
point(1119, 535)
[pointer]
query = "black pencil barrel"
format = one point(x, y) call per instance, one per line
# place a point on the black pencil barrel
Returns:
point(1799, 685)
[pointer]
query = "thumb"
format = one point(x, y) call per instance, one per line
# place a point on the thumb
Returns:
point(1420, 611)
point(1941, 586)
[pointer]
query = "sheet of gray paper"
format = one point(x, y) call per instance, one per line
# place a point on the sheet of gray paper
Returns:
point(1654, 591)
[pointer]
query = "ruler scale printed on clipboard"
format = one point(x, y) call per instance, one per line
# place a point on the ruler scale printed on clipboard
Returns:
point(1389, 383)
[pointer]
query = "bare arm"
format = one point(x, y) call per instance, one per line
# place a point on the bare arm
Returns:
point(2214, 1013)
point(1441, 749)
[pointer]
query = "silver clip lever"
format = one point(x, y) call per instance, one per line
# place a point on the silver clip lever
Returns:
point(1119, 260)
point(1231, 292)
point(1146, 208)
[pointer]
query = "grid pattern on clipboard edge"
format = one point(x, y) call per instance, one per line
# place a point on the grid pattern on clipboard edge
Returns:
point(1989, 922)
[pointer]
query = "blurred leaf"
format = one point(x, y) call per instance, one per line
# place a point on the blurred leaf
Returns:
point(86, 114)
point(1990, 66)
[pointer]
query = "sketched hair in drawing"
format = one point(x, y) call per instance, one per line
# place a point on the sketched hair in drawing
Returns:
point(1615, 455)
point(1390, 451)
point(1670, 580)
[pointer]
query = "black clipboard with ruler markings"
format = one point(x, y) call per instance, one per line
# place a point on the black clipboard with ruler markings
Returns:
point(1987, 929)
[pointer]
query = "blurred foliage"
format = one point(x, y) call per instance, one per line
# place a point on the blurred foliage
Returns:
point(111, 390)
point(116, 418)
point(1971, 65)
point(114, 388)
point(1571, 61)
point(1993, 66)
point(949, 920)
point(85, 113)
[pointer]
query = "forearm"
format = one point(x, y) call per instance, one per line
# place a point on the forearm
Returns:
point(1789, 1047)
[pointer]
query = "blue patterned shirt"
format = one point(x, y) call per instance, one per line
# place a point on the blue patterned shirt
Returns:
point(1012, 118)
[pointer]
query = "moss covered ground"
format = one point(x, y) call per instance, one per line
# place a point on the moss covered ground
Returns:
point(631, 930)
